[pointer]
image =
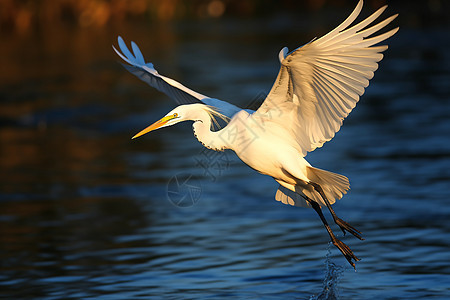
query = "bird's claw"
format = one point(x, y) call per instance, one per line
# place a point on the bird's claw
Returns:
point(346, 251)
point(345, 226)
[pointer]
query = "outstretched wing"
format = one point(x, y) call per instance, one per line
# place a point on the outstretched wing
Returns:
point(175, 90)
point(320, 83)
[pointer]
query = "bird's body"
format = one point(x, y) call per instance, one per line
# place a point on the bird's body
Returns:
point(316, 88)
point(264, 150)
point(263, 147)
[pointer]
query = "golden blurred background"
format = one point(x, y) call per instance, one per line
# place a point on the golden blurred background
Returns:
point(24, 16)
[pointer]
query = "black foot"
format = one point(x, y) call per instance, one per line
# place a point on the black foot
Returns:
point(346, 251)
point(345, 226)
point(341, 223)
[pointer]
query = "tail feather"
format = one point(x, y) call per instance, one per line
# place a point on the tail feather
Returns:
point(334, 185)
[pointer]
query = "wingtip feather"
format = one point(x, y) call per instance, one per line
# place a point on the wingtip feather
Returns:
point(137, 53)
point(121, 56)
point(123, 47)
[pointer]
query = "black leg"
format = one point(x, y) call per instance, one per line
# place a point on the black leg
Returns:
point(341, 223)
point(346, 251)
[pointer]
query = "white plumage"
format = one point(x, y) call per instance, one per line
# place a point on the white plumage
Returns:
point(317, 86)
point(321, 82)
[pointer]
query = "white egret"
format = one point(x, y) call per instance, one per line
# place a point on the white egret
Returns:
point(317, 86)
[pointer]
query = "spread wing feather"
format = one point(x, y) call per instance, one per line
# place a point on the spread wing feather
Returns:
point(175, 90)
point(320, 83)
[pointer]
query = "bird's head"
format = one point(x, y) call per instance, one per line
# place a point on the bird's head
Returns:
point(193, 112)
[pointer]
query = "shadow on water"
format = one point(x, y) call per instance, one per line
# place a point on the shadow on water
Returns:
point(86, 212)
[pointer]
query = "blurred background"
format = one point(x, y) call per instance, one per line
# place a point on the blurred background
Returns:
point(86, 212)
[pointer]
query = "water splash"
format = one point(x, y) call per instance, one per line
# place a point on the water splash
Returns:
point(333, 274)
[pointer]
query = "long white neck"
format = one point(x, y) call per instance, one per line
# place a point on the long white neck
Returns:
point(202, 131)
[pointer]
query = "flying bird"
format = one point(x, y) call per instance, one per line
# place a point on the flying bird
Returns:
point(317, 86)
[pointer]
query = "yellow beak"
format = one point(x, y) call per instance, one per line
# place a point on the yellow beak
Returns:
point(154, 126)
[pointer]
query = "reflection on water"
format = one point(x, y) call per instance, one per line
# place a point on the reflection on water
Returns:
point(84, 211)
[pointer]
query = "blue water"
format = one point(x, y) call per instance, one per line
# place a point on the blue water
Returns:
point(85, 212)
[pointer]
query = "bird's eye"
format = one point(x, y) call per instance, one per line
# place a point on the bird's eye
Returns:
point(175, 115)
